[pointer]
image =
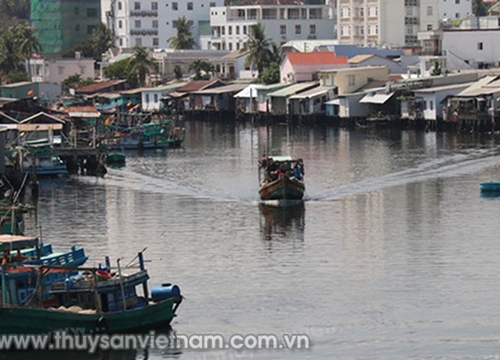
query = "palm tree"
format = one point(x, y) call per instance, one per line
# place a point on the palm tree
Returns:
point(257, 45)
point(202, 69)
point(142, 64)
point(102, 40)
point(184, 38)
point(10, 58)
point(27, 43)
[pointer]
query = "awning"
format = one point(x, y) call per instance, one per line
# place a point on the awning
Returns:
point(376, 98)
point(314, 92)
point(333, 102)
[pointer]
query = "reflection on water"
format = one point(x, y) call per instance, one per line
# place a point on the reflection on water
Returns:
point(282, 219)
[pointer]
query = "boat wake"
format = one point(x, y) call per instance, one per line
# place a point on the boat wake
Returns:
point(445, 167)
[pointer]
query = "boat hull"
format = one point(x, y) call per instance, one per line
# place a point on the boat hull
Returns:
point(18, 320)
point(285, 188)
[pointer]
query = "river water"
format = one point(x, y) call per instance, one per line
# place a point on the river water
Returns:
point(393, 254)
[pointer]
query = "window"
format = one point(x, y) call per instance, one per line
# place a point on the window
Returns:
point(429, 10)
point(237, 30)
point(457, 1)
point(303, 13)
point(175, 6)
point(361, 30)
point(409, 11)
point(352, 80)
point(137, 5)
point(138, 42)
point(92, 12)
point(431, 105)
point(457, 16)
point(230, 30)
point(137, 24)
point(155, 97)
point(230, 46)
point(147, 98)
point(120, 41)
point(298, 29)
point(190, 6)
point(312, 29)
point(409, 30)
point(244, 29)
point(156, 42)
point(77, 27)
point(154, 5)
point(237, 46)
point(223, 30)
point(429, 27)
point(361, 12)
point(212, 4)
point(282, 29)
point(480, 46)
point(155, 24)
point(120, 24)
point(119, 5)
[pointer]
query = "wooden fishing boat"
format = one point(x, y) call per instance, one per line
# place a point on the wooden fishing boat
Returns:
point(283, 178)
point(94, 300)
point(154, 135)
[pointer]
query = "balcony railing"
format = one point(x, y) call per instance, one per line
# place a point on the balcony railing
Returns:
point(143, 13)
point(144, 32)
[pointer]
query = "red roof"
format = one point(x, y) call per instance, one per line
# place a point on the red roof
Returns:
point(95, 87)
point(195, 85)
point(315, 58)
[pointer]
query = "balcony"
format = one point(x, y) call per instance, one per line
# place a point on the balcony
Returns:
point(144, 32)
point(411, 20)
point(144, 13)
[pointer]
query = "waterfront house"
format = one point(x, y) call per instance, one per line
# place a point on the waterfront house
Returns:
point(186, 100)
point(347, 106)
point(427, 103)
point(56, 70)
point(44, 92)
point(152, 98)
point(232, 66)
point(43, 126)
point(298, 67)
point(312, 101)
point(279, 100)
point(219, 98)
point(254, 97)
point(479, 102)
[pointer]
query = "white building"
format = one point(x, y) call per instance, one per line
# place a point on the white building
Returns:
point(231, 24)
point(55, 71)
point(152, 23)
point(394, 23)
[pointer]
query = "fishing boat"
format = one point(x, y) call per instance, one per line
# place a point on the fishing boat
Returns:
point(153, 135)
point(42, 159)
point(490, 186)
point(95, 300)
point(281, 178)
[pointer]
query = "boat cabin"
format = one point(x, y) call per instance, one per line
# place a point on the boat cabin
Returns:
point(275, 166)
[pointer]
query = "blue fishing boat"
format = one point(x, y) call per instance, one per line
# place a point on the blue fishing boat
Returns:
point(42, 158)
point(490, 186)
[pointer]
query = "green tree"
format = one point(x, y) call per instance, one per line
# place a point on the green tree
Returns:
point(75, 81)
point(479, 8)
point(142, 64)
point(184, 39)
point(436, 71)
point(11, 61)
point(202, 69)
point(102, 40)
point(271, 75)
point(122, 70)
point(28, 43)
point(257, 46)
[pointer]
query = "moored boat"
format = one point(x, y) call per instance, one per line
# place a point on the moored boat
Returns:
point(283, 178)
point(93, 300)
point(490, 186)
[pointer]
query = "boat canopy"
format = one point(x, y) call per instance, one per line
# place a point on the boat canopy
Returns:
point(282, 158)
point(17, 242)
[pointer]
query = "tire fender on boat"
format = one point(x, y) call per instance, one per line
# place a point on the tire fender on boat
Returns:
point(102, 325)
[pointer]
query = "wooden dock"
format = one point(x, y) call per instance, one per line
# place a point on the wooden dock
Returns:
point(84, 160)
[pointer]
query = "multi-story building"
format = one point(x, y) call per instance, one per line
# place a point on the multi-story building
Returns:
point(394, 23)
point(231, 24)
point(61, 24)
point(152, 23)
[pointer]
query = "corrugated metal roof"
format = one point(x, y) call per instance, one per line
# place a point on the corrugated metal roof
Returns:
point(319, 90)
point(442, 88)
point(376, 98)
point(473, 89)
point(293, 89)
point(196, 85)
point(222, 89)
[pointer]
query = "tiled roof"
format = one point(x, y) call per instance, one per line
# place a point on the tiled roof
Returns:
point(315, 58)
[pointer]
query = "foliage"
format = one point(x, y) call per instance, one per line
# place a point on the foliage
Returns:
point(85, 48)
point(120, 70)
point(142, 64)
point(202, 69)
point(102, 40)
point(257, 46)
point(177, 72)
point(75, 81)
point(12, 12)
point(271, 75)
point(436, 71)
point(184, 38)
point(479, 8)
